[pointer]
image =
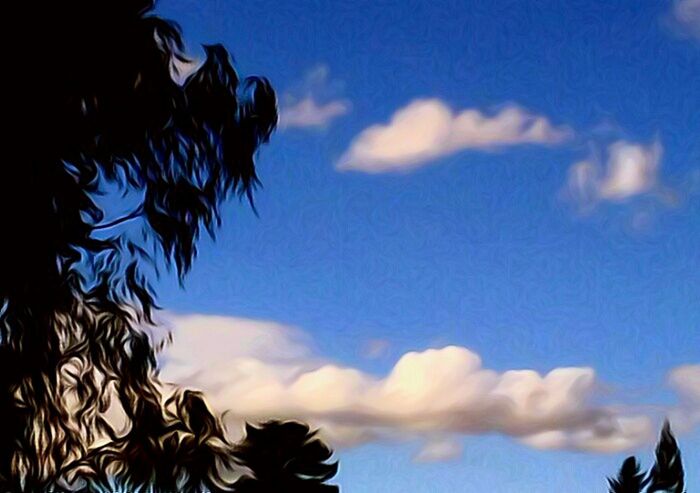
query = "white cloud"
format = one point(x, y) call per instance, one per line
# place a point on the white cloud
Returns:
point(426, 129)
point(627, 433)
point(260, 370)
point(686, 16)
point(630, 169)
point(312, 104)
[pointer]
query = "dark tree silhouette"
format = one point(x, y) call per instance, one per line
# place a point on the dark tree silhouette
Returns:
point(284, 457)
point(665, 476)
point(667, 473)
point(630, 479)
point(95, 104)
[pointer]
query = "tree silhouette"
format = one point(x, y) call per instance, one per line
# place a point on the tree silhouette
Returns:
point(667, 473)
point(96, 104)
point(665, 476)
point(630, 479)
point(284, 457)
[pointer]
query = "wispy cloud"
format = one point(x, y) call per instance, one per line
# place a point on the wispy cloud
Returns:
point(685, 17)
point(258, 370)
point(439, 450)
point(427, 129)
point(375, 348)
point(309, 113)
point(626, 170)
point(313, 103)
point(685, 380)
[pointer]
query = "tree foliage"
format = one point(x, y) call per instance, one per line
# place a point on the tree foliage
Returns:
point(96, 103)
point(284, 456)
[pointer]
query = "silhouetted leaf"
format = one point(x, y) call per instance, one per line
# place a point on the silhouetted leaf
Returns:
point(629, 480)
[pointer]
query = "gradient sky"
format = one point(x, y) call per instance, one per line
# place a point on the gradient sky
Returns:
point(536, 251)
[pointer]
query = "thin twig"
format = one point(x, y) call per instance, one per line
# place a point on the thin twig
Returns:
point(132, 215)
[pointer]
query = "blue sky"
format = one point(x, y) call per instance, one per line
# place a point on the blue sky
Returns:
point(554, 224)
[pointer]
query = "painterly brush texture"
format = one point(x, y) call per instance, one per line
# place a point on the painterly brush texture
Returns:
point(99, 104)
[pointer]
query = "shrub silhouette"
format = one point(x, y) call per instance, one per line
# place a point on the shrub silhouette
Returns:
point(94, 105)
point(630, 479)
point(666, 475)
point(284, 456)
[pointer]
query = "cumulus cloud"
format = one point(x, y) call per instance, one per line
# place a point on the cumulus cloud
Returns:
point(685, 16)
point(312, 104)
point(426, 129)
point(260, 370)
point(630, 169)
